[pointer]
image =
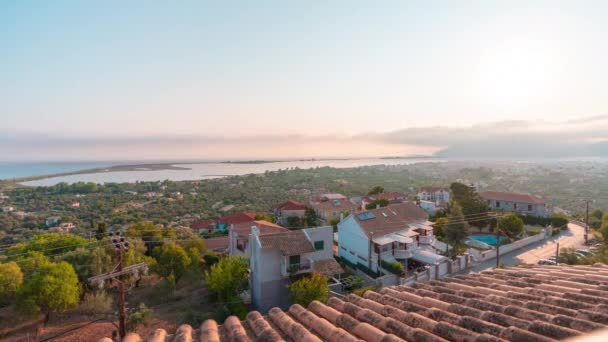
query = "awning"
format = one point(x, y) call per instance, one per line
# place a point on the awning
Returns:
point(407, 233)
point(383, 240)
point(400, 238)
point(426, 226)
point(428, 257)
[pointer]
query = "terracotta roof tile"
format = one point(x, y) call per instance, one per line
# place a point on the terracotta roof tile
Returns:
point(511, 197)
point(290, 205)
point(475, 307)
point(328, 267)
point(289, 243)
point(391, 219)
point(265, 227)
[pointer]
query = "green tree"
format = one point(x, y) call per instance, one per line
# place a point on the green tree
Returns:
point(11, 279)
point(293, 222)
point(595, 219)
point(376, 190)
point(439, 227)
point(53, 287)
point(47, 244)
point(308, 289)
point(171, 259)
point(382, 202)
point(457, 229)
point(228, 277)
point(470, 203)
point(511, 225)
point(311, 217)
point(604, 227)
point(101, 230)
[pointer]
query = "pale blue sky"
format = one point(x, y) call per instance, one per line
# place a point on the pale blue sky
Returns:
point(243, 68)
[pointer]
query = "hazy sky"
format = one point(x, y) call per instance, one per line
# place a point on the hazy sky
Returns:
point(229, 70)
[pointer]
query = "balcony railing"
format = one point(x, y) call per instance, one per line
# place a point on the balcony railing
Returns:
point(402, 254)
point(427, 240)
point(292, 269)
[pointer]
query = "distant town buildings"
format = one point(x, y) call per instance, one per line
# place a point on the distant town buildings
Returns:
point(391, 197)
point(515, 202)
point(52, 221)
point(439, 195)
point(287, 209)
point(329, 207)
point(7, 209)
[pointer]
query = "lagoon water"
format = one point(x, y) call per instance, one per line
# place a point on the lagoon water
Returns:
point(214, 170)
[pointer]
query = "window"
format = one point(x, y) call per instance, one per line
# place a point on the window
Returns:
point(319, 245)
point(529, 207)
point(333, 213)
point(497, 204)
point(294, 260)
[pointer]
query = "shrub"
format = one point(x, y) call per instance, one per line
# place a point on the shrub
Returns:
point(394, 267)
point(142, 316)
point(237, 308)
point(308, 289)
point(211, 259)
point(360, 292)
point(532, 232)
point(96, 303)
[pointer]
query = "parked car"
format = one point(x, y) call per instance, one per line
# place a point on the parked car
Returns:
point(546, 262)
point(584, 252)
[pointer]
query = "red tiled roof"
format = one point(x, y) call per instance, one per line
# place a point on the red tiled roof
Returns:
point(337, 205)
point(202, 224)
point(289, 243)
point(265, 227)
point(238, 218)
point(391, 196)
point(511, 197)
point(537, 303)
point(291, 205)
point(392, 218)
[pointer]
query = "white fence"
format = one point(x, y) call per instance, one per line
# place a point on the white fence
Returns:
point(480, 256)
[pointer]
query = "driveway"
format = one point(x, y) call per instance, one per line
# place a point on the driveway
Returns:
point(574, 237)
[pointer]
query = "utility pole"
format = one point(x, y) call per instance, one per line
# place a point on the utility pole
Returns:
point(497, 247)
point(557, 254)
point(586, 222)
point(121, 244)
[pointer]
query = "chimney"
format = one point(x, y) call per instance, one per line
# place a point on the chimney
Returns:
point(377, 206)
point(255, 231)
point(341, 216)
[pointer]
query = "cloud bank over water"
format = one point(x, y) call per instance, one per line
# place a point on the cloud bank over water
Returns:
point(586, 137)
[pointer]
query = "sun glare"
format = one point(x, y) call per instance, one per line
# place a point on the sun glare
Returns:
point(516, 73)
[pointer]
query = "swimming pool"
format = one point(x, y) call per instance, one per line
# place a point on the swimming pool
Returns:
point(486, 238)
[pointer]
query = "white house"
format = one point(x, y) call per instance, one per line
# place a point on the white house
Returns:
point(437, 194)
point(514, 202)
point(7, 209)
point(398, 232)
point(276, 257)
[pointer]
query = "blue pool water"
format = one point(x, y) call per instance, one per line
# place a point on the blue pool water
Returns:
point(489, 239)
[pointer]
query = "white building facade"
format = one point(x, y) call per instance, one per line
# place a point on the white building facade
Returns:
point(276, 257)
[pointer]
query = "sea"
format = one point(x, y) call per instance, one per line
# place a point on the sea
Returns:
point(191, 171)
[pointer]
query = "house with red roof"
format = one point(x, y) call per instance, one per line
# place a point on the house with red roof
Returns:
point(392, 197)
point(283, 211)
point(523, 204)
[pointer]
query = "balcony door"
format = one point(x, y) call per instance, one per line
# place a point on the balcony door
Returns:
point(294, 260)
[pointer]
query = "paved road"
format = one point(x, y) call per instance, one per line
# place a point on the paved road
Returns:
point(573, 238)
